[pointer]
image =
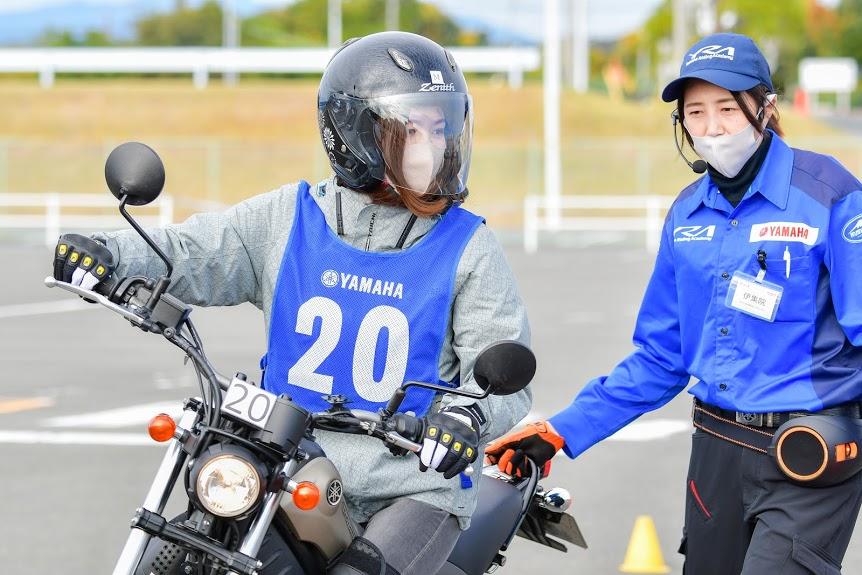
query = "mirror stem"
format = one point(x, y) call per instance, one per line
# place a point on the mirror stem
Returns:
point(144, 235)
point(394, 402)
point(398, 396)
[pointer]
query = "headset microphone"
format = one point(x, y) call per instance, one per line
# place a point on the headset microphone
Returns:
point(698, 166)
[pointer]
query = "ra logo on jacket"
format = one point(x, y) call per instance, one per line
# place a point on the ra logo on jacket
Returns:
point(693, 234)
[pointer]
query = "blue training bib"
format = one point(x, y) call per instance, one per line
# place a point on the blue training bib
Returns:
point(356, 323)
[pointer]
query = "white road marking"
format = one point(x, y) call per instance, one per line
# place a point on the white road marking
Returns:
point(31, 437)
point(164, 382)
point(113, 418)
point(651, 430)
point(42, 308)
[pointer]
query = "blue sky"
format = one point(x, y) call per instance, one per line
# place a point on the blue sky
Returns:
point(607, 18)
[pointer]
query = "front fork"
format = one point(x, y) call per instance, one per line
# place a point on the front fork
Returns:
point(157, 497)
point(254, 538)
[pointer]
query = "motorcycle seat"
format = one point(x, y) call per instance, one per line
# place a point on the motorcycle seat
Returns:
point(499, 508)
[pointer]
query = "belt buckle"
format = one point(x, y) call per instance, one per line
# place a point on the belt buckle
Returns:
point(754, 419)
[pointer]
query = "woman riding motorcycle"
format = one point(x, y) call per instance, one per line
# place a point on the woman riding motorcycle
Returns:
point(370, 278)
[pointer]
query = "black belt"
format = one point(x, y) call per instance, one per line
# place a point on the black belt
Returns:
point(755, 430)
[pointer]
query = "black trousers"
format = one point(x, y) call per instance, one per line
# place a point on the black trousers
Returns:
point(743, 516)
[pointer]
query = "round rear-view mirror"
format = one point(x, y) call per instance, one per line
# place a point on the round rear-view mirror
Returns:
point(134, 170)
point(505, 367)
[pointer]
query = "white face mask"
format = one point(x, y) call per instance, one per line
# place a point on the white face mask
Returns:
point(420, 164)
point(728, 153)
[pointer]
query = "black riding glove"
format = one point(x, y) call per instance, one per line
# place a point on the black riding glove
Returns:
point(450, 441)
point(82, 261)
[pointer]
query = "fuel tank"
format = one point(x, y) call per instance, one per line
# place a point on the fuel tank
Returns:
point(327, 525)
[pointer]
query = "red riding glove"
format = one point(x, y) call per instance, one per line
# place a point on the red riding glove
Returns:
point(538, 441)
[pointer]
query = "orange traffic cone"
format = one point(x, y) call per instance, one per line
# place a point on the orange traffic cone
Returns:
point(644, 553)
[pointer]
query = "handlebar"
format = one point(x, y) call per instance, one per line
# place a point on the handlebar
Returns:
point(371, 423)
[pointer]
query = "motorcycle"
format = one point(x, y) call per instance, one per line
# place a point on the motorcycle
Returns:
point(262, 496)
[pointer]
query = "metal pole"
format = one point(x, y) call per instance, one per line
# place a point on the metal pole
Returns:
point(680, 29)
point(580, 47)
point(551, 77)
point(333, 28)
point(230, 35)
point(392, 14)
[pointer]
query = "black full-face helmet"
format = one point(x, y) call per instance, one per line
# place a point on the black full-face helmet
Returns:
point(394, 107)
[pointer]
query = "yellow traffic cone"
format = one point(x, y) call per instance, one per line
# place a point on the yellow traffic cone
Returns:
point(644, 553)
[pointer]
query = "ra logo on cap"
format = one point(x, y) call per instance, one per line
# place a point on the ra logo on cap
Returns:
point(710, 52)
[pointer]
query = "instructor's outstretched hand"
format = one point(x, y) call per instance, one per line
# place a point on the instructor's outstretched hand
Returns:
point(538, 441)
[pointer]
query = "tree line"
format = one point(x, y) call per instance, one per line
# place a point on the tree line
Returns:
point(303, 23)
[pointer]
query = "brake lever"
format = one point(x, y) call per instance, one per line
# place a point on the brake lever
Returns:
point(373, 423)
point(52, 282)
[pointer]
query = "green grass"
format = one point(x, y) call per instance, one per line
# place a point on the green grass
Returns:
point(228, 143)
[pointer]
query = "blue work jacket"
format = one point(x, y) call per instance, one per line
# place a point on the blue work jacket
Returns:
point(804, 211)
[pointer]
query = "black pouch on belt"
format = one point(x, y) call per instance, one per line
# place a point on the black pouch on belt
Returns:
point(818, 450)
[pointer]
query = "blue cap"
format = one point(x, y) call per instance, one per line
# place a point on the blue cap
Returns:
point(731, 61)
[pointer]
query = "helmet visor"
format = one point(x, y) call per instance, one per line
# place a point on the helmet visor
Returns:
point(425, 141)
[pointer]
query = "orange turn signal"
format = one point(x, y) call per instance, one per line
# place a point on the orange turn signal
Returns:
point(162, 427)
point(306, 496)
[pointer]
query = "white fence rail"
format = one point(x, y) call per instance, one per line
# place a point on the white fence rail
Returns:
point(201, 62)
point(50, 214)
point(538, 216)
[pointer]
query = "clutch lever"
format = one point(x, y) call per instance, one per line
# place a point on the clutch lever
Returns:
point(52, 282)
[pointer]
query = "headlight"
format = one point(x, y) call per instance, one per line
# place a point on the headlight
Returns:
point(228, 485)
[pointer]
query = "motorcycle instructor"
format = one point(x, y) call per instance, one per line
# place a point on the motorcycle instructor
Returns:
point(781, 226)
point(381, 247)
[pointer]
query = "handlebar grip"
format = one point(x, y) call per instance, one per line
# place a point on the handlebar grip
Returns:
point(408, 427)
point(397, 440)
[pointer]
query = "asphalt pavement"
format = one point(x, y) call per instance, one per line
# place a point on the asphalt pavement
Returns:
point(80, 383)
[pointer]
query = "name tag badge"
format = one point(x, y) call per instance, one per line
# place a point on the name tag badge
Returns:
point(754, 297)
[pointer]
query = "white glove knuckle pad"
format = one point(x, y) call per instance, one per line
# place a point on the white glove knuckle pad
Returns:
point(77, 276)
point(425, 456)
point(89, 280)
point(439, 453)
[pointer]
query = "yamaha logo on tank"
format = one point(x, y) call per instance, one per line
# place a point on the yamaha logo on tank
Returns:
point(334, 492)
